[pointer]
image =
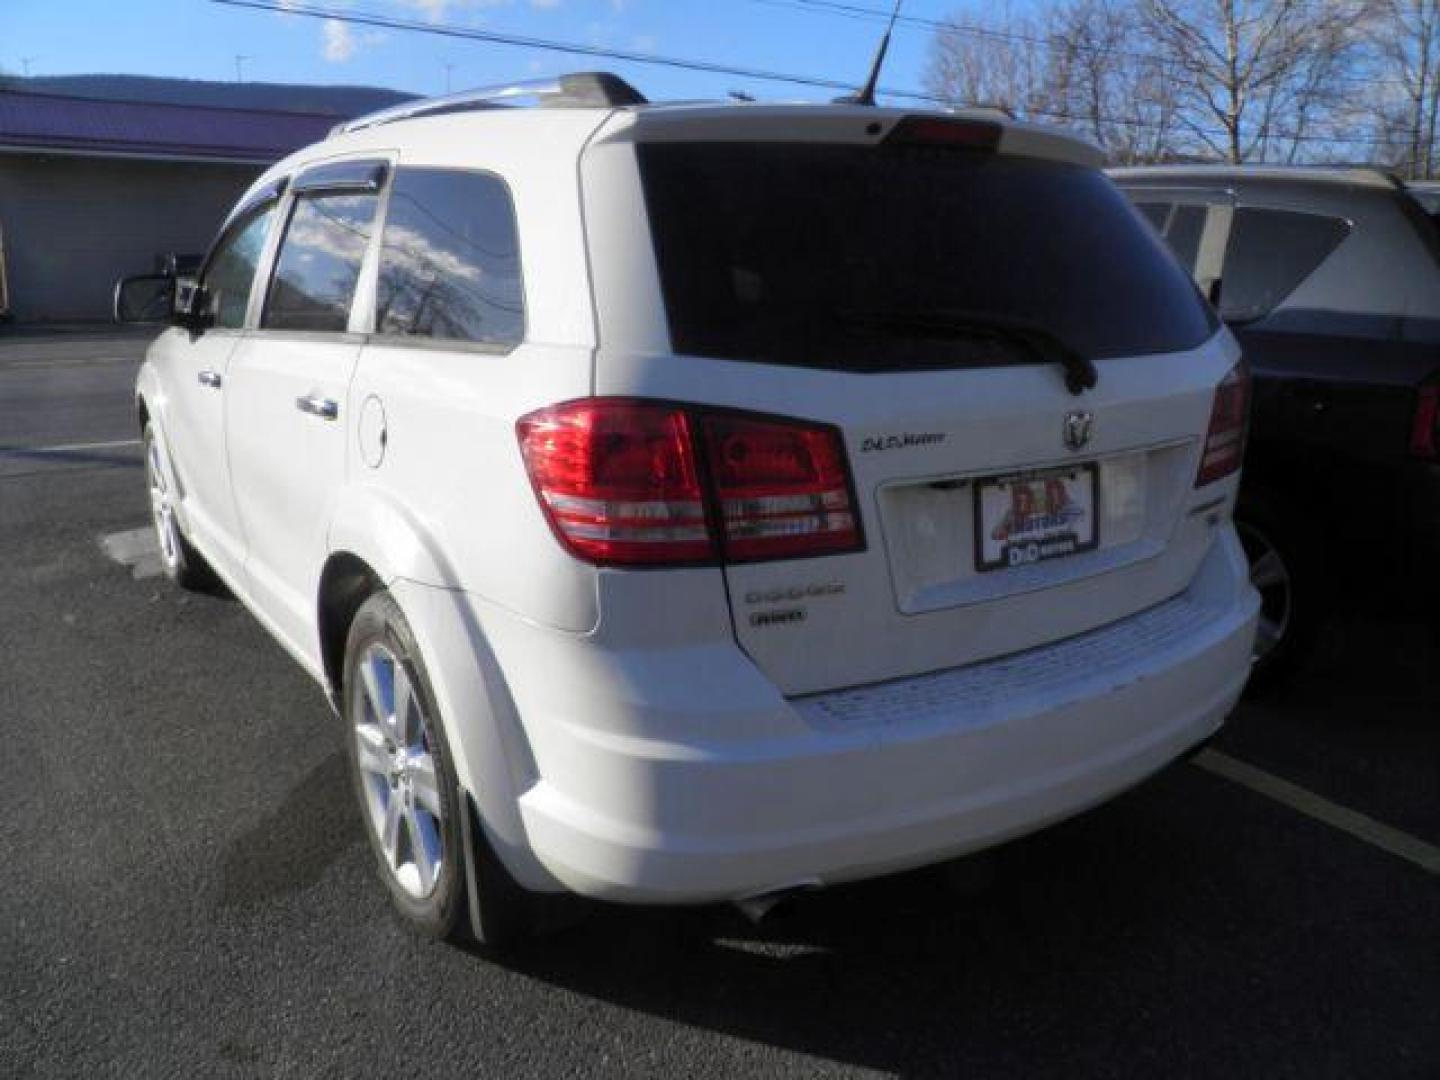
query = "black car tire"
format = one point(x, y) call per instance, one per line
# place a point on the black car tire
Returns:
point(183, 565)
point(1287, 562)
point(470, 881)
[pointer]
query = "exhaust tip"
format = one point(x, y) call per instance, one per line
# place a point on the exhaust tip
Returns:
point(758, 905)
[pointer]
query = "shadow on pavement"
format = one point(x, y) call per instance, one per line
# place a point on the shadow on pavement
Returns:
point(1172, 931)
point(1360, 724)
point(1190, 926)
point(293, 845)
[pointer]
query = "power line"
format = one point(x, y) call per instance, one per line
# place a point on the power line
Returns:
point(953, 26)
point(316, 11)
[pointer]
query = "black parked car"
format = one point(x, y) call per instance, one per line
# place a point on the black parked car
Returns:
point(1330, 278)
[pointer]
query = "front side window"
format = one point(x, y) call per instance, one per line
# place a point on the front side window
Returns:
point(319, 261)
point(1269, 254)
point(450, 259)
point(232, 269)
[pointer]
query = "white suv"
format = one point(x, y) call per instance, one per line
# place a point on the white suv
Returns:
point(701, 502)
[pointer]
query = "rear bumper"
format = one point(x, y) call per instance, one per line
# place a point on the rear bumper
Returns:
point(900, 774)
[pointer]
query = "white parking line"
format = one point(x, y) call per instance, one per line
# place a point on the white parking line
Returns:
point(1375, 833)
point(70, 446)
point(136, 548)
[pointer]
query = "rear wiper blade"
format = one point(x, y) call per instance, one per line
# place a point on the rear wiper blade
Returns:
point(1044, 344)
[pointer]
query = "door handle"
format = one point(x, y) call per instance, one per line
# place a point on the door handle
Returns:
point(316, 405)
point(210, 379)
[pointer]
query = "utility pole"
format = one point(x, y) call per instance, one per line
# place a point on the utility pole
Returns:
point(26, 61)
point(448, 68)
point(239, 60)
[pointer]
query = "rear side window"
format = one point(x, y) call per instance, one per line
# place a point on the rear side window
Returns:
point(1157, 213)
point(1183, 235)
point(450, 259)
point(319, 261)
point(878, 258)
point(232, 269)
point(1269, 254)
point(1180, 224)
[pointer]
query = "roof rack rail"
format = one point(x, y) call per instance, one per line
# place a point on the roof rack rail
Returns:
point(581, 90)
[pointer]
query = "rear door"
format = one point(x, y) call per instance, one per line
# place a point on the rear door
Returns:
point(286, 410)
point(923, 299)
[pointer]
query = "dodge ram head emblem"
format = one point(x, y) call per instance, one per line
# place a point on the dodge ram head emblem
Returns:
point(1078, 425)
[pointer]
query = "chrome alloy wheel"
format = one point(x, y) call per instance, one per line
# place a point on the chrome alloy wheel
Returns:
point(1271, 579)
point(167, 531)
point(394, 746)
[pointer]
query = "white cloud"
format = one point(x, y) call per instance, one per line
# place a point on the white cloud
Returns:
point(436, 10)
point(545, 3)
point(338, 43)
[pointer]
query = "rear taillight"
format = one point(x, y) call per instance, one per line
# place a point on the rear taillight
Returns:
point(782, 487)
point(1425, 432)
point(640, 483)
point(618, 481)
point(1229, 417)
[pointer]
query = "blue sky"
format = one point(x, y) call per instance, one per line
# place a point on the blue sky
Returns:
point(199, 39)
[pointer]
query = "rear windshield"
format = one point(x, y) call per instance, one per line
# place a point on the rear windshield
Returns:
point(890, 258)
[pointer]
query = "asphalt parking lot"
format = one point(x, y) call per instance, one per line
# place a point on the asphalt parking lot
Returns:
point(186, 890)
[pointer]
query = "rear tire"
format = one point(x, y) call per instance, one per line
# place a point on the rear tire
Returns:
point(1287, 569)
point(183, 565)
point(429, 847)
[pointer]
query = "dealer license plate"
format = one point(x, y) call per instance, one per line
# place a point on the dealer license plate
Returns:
point(1027, 518)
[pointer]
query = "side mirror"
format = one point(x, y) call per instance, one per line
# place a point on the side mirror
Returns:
point(145, 298)
point(190, 306)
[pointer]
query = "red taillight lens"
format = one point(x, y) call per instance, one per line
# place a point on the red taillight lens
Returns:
point(621, 483)
point(1425, 433)
point(618, 481)
point(783, 487)
point(1225, 441)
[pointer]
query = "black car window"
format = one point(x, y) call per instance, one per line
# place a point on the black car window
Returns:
point(1269, 254)
point(232, 268)
point(1183, 235)
point(319, 262)
point(450, 259)
point(894, 257)
point(1157, 213)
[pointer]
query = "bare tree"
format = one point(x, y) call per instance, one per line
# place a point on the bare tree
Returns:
point(992, 55)
point(1255, 78)
point(1242, 80)
point(1406, 34)
point(1079, 68)
point(1104, 84)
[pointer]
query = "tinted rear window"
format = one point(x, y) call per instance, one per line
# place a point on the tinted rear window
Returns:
point(1270, 252)
point(765, 250)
